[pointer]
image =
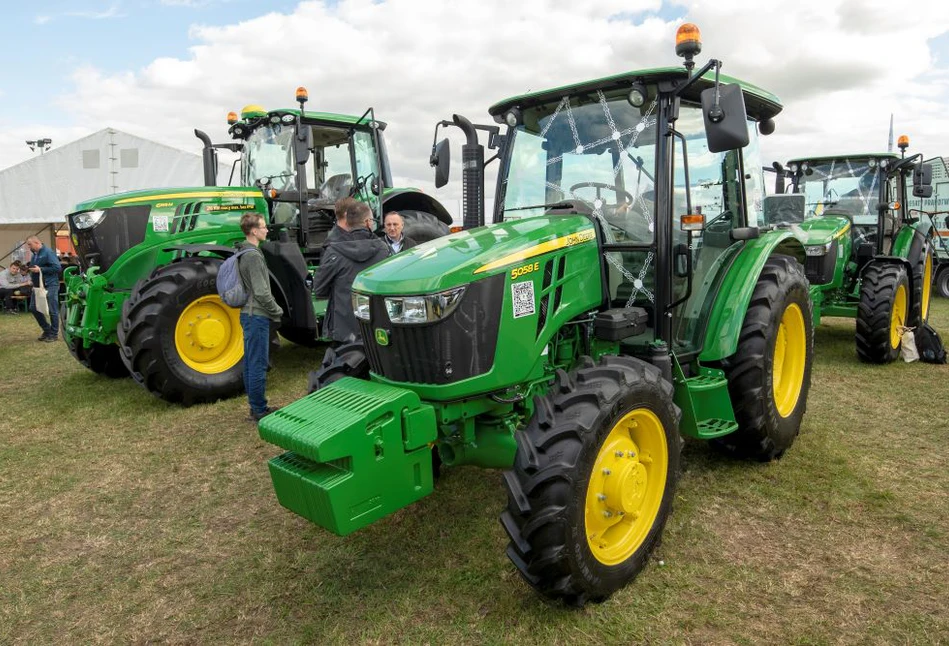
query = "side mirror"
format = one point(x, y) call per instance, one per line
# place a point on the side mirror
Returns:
point(441, 160)
point(923, 180)
point(302, 144)
point(726, 124)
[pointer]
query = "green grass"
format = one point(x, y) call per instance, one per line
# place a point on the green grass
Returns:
point(125, 519)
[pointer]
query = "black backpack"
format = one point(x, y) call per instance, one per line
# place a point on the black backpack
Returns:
point(929, 345)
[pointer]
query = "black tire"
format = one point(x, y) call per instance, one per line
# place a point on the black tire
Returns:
point(555, 488)
point(881, 311)
point(941, 284)
point(422, 226)
point(100, 358)
point(921, 285)
point(158, 311)
point(770, 373)
point(348, 360)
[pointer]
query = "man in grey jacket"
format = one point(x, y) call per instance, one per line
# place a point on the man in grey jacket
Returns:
point(342, 259)
point(257, 315)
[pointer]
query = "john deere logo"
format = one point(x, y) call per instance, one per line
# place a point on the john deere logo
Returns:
point(382, 337)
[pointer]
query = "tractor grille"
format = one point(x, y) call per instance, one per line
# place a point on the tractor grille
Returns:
point(820, 269)
point(119, 229)
point(455, 348)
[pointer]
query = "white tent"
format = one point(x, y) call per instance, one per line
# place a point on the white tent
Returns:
point(39, 192)
point(48, 186)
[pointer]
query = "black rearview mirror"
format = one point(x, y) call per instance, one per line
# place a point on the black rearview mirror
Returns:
point(441, 160)
point(923, 180)
point(302, 144)
point(726, 125)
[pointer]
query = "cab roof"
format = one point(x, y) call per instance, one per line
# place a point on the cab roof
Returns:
point(759, 103)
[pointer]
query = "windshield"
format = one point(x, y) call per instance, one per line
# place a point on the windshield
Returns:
point(268, 154)
point(851, 186)
point(594, 151)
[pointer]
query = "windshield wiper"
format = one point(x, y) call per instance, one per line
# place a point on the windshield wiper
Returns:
point(552, 205)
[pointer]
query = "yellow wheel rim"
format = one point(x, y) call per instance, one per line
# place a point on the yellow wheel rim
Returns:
point(790, 357)
point(898, 316)
point(208, 335)
point(927, 286)
point(626, 486)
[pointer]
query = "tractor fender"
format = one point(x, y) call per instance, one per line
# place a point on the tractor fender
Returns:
point(734, 295)
point(911, 240)
point(412, 199)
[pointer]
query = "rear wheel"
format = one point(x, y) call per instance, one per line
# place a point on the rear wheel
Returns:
point(179, 339)
point(348, 360)
point(922, 288)
point(422, 226)
point(883, 310)
point(593, 480)
point(770, 373)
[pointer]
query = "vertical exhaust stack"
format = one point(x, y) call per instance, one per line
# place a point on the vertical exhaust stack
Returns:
point(472, 175)
point(208, 158)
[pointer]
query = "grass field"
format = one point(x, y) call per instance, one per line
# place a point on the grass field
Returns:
point(124, 519)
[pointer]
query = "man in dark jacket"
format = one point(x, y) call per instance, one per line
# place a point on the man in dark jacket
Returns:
point(44, 260)
point(342, 260)
point(396, 241)
point(257, 315)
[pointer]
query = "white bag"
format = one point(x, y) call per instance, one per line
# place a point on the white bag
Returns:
point(908, 349)
point(39, 298)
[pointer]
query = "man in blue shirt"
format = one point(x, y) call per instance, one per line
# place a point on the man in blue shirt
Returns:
point(44, 260)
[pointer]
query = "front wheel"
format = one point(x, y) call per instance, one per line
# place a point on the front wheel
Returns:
point(882, 312)
point(100, 358)
point(942, 281)
point(593, 480)
point(770, 373)
point(179, 339)
point(348, 360)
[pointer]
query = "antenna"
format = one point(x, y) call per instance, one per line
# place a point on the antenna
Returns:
point(889, 145)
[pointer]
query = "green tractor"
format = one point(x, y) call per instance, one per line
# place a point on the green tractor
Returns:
point(144, 300)
point(623, 297)
point(868, 256)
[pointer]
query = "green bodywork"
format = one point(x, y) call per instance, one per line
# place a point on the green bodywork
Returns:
point(195, 215)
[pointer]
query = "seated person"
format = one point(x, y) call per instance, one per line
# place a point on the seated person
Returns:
point(14, 281)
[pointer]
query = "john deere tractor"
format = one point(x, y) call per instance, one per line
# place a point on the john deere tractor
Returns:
point(868, 256)
point(144, 301)
point(623, 297)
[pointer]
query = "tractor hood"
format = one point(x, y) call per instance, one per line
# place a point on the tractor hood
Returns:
point(471, 255)
point(196, 193)
point(824, 229)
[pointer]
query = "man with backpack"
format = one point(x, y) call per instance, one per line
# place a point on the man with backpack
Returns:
point(257, 313)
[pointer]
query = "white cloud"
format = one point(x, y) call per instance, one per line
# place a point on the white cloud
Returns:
point(840, 66)
point(113, 11)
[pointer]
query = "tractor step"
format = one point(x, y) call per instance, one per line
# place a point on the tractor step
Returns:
point(709, 428)
point(706, 405)
point(357, 451)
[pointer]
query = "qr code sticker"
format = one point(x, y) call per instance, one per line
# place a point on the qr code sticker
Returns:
point(160, 223)
point(523, 296)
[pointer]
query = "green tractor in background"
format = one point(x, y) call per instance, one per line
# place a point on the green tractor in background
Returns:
point(624, 296)
point(868, 257)
point(144, 299)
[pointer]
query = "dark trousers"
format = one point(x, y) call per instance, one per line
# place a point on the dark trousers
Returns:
point(256, 356)
point(51, 327)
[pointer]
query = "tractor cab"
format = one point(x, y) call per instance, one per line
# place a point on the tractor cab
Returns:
point(305, 161)
point(635, 154)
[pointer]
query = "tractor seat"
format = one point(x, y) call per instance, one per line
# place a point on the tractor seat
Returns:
point(336, 187)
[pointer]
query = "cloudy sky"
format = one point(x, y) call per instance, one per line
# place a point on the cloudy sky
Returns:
point(160, 68)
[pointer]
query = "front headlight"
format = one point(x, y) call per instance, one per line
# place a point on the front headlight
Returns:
point(818, 249)
point(414, 310)
point(87, 219)
point(361, 306)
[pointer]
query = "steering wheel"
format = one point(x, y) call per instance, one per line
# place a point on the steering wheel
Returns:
point(604, 187)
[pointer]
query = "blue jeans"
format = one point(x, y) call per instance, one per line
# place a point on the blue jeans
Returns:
point(256, 356)
point(50, 328)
